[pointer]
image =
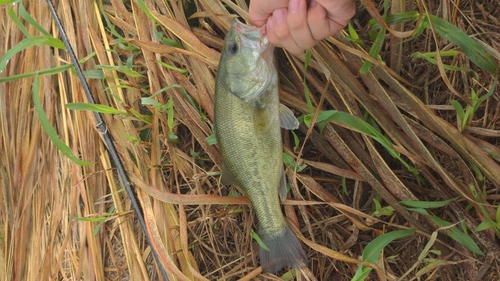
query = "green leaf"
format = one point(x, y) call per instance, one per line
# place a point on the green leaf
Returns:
point(13, 16)
point(459, 109)
point(472, 49)
point(289, 275)
point(306, 89)
point(497, 216)
point(430, 58)
point(447, 53)
point(353, 36)
point(483, 98)
point(170, 113)
point(374, 248)
point(51, 132)
point(3, 2)
point(256, 237)
point(145, 9)
point(374, 50)
point(211, 140)
point(358, 125)
point(128, 71)
point(30, 42)
point(94, 107)
point(382, 211)
point(102, 218)
point(296, 140)
point(182, 71)
point(426, 204)
point(458, 235)
point(93, 74)
point(419, 210)
point(452, 231)
point(395, 19)
point(488, 223)
point(290, 163)
point(158, 105)
point(26, 16)
point(50, 71)
point(344, 186)
point(150, 101)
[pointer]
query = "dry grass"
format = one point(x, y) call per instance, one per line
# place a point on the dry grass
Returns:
point(198, 237)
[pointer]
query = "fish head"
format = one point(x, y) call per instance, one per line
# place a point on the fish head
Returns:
point(246, 65)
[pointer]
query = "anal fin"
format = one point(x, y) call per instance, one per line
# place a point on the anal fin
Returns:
point(282, 189)
point(227, 177)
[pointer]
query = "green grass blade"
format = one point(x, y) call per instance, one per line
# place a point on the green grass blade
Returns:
point(458, 108)
point(182, 71)
point(27, 17)
point(374, 248)
point(93, 74)
point(18, 22)
point(2, 2)
point(256, 237)
point(292, 164)
point(51, 132)
point(488, 223)
point(374, 50)
point(393, 19)
point(109, 25)
point(50, 71)
point(458, 235)
point(472, 49)
point(211, 140)
point(145, 9)
point(353, 36)
point(94, 107)
point(430, 58)
point(306, 89)
point(356, 124)
point(426, 204)
point(30, 42)
point(485, 97)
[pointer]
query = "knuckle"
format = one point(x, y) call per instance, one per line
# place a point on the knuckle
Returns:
point(281, 31)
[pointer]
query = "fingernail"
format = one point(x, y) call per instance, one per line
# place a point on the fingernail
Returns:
point(293, 6)
point(312, 3)
point(279, 15)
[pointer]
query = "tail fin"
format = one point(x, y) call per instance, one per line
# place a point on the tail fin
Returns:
point(284, 250)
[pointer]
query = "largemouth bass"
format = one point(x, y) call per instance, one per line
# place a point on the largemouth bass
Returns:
point(248, 116)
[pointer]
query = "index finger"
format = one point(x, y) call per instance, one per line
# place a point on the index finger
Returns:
point(260, 10)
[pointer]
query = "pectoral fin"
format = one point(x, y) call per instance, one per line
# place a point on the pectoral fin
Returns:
point(287, 119)
point(227, 177)
point(282, 188)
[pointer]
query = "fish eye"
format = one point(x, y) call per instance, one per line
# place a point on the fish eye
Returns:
point(232, 48)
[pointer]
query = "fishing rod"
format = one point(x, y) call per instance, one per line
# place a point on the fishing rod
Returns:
point(107, 139)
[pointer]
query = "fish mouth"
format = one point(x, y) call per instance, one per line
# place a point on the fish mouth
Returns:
point(254, 38)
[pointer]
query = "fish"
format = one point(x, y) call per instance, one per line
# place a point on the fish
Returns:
point(247, 121)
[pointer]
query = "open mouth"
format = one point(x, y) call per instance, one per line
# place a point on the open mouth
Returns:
point(254, 37)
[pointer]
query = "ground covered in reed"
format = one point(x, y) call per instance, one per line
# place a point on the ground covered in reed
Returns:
point(394, 172)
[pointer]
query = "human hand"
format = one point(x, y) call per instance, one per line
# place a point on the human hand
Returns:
point(296, 27)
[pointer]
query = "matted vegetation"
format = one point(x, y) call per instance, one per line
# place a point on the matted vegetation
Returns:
point(398, 178)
